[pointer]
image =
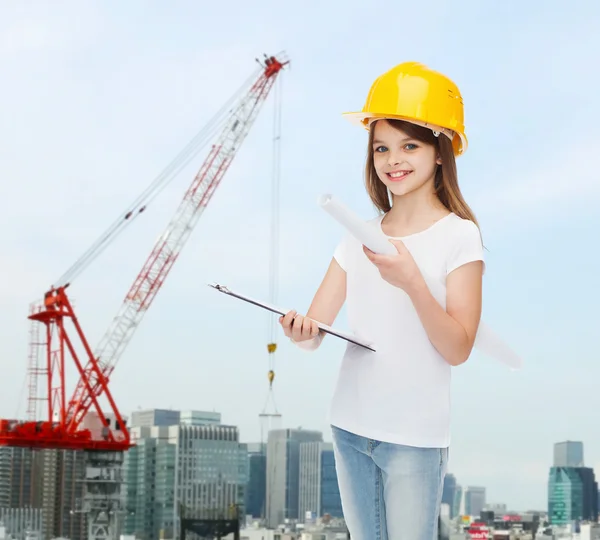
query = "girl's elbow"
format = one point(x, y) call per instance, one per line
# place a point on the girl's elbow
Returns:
point(460, 357)
point(457, 360)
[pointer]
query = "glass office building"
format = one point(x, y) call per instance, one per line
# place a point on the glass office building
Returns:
point(449, 493)
point(568, 454)
point(565, 495)
point(200, 470)
point(572, 495)
point(256, 490)
point(283, 473)
point(331, 502)
point(319, 492)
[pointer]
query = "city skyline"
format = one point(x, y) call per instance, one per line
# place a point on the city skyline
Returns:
point(99, 98)
point(254, 446)
point(215, 464)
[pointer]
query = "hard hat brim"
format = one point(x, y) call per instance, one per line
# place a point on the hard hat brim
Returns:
point(362, 118)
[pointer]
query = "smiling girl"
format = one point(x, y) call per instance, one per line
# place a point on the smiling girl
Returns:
point(391, 408)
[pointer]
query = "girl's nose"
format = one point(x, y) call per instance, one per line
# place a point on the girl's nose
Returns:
point(393, 159)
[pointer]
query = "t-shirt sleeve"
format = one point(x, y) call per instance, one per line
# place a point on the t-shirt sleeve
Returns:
point(341, 253)
point(468, 247)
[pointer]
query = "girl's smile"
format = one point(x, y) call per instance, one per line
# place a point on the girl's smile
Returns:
point(396, 176)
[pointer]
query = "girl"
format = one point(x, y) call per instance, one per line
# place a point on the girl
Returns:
point(391, 409)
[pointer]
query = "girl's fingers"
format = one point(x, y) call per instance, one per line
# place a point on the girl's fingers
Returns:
point(286, 322)
point(314, 328)
point(297, 327)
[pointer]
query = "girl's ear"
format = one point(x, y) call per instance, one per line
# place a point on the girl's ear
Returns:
point(438, 160)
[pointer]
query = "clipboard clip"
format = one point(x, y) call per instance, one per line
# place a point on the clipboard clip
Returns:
point(219, 287)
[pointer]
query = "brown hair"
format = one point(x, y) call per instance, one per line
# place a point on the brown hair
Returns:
point(446, 178)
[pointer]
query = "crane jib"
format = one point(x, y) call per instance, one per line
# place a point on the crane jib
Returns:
point(165, 252)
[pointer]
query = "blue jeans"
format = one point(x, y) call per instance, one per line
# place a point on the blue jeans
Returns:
point(389, 491)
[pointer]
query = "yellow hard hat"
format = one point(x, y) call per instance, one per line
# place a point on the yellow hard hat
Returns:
point(415, 93)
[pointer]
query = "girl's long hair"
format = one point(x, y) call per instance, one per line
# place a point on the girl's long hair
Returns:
point(446, 178)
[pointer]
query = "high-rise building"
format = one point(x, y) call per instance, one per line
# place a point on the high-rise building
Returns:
point(199, 418)
point(256, 490)
point(459, 501)
point(283, 472)
point(155, 417)
point(568, 454)
point(150, 488)
point(572, 487)
point(474, 500)
point(331, 502)
point(19, 478)
point(319, 492)
point(197, 467)
point(590, 493)
point(449, 493)
point(62, 494)
point(572, 495)
point(21, 492)
point(49, 480)
point(565, 495)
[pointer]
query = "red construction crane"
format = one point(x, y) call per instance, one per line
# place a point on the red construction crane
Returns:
point(64, 427)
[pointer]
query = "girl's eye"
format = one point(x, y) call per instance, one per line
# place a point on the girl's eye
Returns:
point(410, 146)
point(380, 149)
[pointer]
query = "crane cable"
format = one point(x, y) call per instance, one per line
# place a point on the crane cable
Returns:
point(274, 250)
point(273, 280)
point(140, 204)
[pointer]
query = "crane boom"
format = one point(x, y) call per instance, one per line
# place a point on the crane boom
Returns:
point(171, 242)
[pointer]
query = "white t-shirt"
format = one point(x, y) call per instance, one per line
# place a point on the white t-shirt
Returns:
point(401, 393)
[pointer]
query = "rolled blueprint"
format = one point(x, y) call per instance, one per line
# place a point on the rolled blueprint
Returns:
point(363, 231)
point(486, 340)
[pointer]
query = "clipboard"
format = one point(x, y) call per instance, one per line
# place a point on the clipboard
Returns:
point(269, 307)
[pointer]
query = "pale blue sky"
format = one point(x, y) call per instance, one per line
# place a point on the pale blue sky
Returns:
point(97, 97)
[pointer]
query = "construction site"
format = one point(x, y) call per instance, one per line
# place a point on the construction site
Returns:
point(61, 467)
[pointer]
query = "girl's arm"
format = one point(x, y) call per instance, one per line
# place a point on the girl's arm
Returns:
point(452, 332)
point(326, 305)
point(330, 295)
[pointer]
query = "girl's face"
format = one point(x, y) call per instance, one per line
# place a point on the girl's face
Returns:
point(403, 164)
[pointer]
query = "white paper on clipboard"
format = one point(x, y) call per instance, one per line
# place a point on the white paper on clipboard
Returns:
point(269, 307)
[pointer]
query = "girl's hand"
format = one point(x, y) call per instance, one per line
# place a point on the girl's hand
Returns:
point(399, 270)
point(297, 327)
